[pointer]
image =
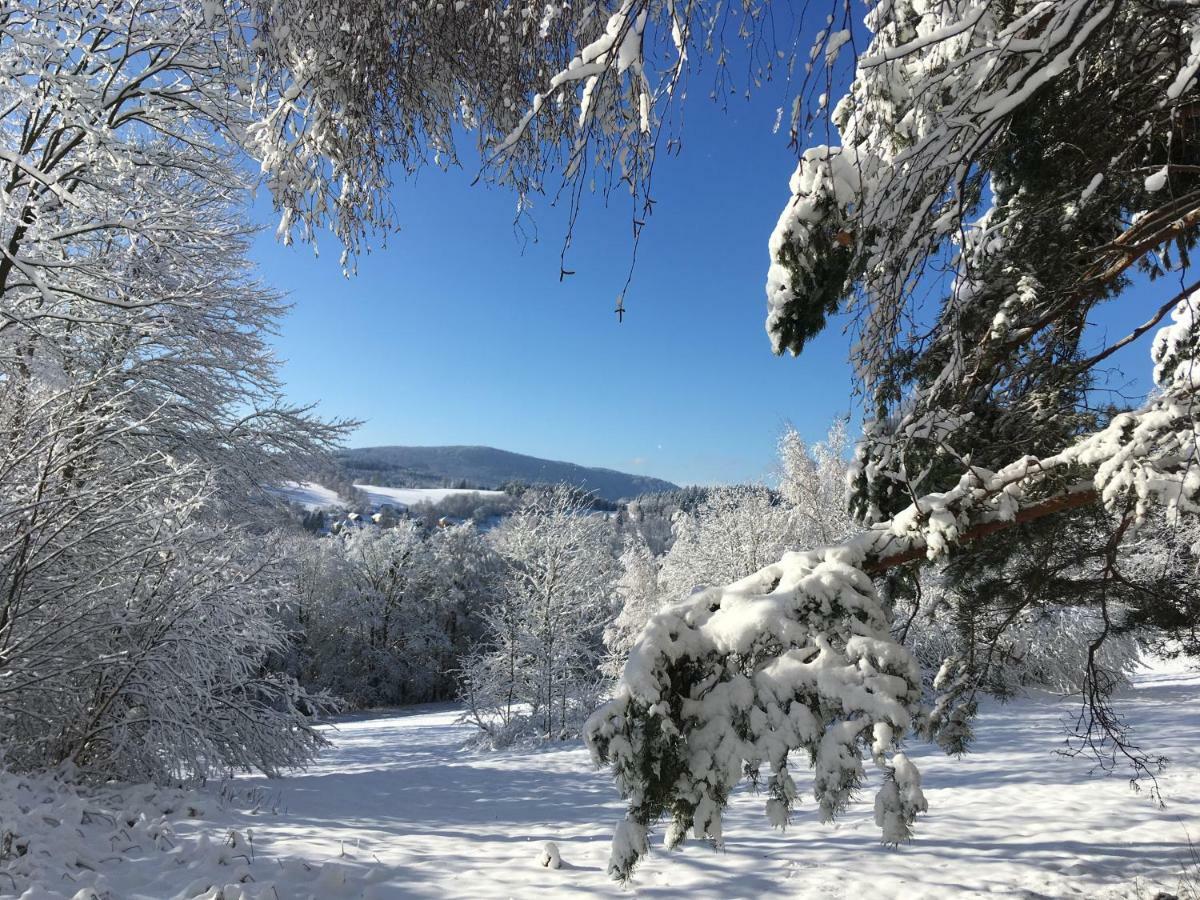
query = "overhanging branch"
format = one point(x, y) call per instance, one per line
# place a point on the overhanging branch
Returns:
point(1048, 507)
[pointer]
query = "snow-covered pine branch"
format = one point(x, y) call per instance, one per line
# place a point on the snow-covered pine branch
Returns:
point(1019, 161)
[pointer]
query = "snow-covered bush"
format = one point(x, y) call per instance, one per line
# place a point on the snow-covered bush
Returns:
point(536, 673)
point(54, 832)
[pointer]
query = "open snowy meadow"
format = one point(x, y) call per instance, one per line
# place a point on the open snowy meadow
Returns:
point(399, 808)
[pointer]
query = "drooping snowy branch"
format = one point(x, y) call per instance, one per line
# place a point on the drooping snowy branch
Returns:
point(347, 93)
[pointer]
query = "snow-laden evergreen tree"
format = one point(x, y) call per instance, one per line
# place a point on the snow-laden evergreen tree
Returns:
point(1050, 167)
point(537, 671)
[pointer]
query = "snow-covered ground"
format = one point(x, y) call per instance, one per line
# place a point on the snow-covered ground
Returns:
point(311, 495)
point(378, 496)
point(397, 809)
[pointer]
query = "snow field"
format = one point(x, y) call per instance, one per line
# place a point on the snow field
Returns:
point(314, 496)
point(398, 809)
point(378, 496)
point(309, 495)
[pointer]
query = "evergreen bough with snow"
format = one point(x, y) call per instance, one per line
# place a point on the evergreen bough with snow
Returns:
point(961, 143)
point(795, 662)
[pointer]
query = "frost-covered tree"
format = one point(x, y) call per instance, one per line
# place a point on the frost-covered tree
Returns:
point(391, 621)
point(140, 410)
point(135, 624)
point(351, 91)
point(537, 671)
point(124, 237)
point(812, 482)
point(650, 519)
point(638, 597)
point(735, 531)
point(381, 617)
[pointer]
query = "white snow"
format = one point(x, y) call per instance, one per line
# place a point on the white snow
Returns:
point(397, 809)
point(378, 496)
point(312, 496)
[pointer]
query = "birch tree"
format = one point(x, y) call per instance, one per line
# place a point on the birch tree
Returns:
point(537, 673)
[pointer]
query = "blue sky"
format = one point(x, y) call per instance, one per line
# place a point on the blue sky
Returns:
point(460, 332)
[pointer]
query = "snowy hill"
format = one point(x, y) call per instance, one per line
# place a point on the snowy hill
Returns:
point(488, 467)
point(311, 495)
point(380, 496)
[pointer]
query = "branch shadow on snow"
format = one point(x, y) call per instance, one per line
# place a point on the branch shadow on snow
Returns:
point(402, 783)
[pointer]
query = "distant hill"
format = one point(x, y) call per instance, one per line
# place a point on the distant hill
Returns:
point(487, 468)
